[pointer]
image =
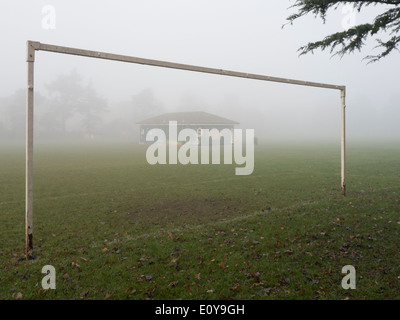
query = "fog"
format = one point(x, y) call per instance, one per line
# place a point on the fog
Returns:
point(83, 98)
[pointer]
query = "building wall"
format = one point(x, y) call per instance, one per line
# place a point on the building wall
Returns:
point(143, 130)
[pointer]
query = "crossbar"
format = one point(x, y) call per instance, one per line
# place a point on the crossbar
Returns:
point(173, 65)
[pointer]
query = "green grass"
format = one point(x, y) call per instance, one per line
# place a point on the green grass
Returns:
point(115, 227)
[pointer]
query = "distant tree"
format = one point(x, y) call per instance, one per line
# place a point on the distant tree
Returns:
point(145, 104)
point(69, 97)
point(347, 41)
point(13, 113)
point(64, 91)
point(91, 106)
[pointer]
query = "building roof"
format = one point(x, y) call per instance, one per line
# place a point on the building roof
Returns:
point(188, 118)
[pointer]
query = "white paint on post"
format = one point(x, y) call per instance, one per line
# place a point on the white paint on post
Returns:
point(29, 151)
point(343, 141)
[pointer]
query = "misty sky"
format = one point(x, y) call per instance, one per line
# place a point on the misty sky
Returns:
point(228, 34)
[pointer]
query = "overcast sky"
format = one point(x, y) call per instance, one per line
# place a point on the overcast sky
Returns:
point(229, 34)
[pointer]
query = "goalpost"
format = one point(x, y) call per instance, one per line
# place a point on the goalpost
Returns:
point(33, 46)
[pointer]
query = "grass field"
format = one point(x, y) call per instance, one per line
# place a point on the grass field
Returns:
point(115, 227)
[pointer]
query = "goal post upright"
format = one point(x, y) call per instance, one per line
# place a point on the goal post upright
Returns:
point(33, 46)
point(343, 140)
point(30, 59)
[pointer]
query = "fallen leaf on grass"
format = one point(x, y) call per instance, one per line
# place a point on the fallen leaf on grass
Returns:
point(18, 295)
point(66, 276)
point(149, 277)
point(173, 283)
point(144, 258)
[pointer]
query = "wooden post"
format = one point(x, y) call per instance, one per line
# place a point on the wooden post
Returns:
point(29, 151)
point(343, 141)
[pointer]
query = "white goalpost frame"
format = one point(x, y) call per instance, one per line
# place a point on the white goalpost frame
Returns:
point(33, 46)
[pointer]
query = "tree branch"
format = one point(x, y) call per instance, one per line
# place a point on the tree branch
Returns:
point(353, 38)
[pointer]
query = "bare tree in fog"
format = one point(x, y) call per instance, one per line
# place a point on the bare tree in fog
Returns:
point(145, 104)
point(91, 106)
point(12, 114)
point(69, 97)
